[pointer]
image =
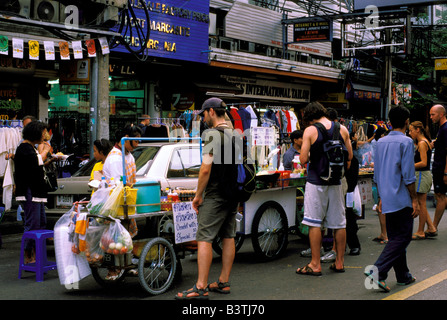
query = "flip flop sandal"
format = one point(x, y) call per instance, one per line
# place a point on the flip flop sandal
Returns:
point(200, 294)
point(417, 237)
point(413, 279)
point(333, 268)
point(220, 287)
point(381, 284)
point(431, 234)
point(308, 271)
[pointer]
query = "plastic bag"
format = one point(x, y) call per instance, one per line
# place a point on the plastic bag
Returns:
point(110, 207)
point(93, 253)
point(116, 239)
point(71, 267)
point(99, 198)
point(354, 201)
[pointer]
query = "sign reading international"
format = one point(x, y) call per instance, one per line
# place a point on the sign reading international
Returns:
point(178, 29)
point(312, 30)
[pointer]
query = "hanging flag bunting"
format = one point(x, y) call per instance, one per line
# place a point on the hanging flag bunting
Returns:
point(4, 46)
point(17, 48)
point(64, 50)
point(33, 46)
point(49, 50)
point(91, 48)
point(104, 45)
point(77, 49)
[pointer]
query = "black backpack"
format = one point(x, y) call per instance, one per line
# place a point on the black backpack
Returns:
point(237, 180)
point(335, 154)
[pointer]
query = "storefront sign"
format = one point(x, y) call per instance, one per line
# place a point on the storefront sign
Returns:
point(312, 29)
point(178, 29)
point(75, 72)
point(441, 64)
point(271, 90)
point(185, 222)
point(182, 101)
point(8, 64)
point(10, 103)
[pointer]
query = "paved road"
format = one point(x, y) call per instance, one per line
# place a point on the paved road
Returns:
point(254, 280)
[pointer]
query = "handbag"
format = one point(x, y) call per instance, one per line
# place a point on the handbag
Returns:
point(50, 177)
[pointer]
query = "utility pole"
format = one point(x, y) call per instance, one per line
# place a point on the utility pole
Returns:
point(99, 99)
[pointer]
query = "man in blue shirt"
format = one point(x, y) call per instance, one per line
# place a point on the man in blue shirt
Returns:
point(296, 137)
point(394, 174)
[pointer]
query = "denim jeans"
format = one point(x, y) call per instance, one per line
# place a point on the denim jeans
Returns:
point(399, 227)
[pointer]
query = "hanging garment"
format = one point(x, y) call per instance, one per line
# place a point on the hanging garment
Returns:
point(8, 184)
point(245, 118)
point(254, 117)
point(237, 119)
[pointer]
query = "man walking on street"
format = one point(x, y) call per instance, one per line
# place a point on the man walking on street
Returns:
point(323, 199)
point(439, 168)
point(394, 174)
point(216, 214)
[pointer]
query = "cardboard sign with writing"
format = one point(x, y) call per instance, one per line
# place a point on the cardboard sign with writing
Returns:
point(185, 222)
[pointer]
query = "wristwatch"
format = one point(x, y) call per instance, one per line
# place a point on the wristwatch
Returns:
point(445, 173)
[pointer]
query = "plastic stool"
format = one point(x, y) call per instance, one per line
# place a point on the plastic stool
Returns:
point(41, 265)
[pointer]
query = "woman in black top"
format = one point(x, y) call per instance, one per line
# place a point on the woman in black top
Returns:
point(422, 158)
point(30, 183)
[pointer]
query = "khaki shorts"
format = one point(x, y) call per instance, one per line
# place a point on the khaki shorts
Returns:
point(423, 181)
point(324, 206)
point(216, 217)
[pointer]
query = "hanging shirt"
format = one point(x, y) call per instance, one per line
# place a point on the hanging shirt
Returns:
point(245, 118)
point(237, 119)
point(254, 118)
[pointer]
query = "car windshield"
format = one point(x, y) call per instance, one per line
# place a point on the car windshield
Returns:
point(142, 156)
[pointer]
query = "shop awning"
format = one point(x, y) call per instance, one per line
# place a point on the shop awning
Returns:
point(363, 92)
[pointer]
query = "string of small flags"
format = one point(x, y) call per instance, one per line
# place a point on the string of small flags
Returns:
point(49, 48)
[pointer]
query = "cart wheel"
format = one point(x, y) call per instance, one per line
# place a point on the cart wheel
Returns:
point(157, 265)
point(269, 230)
point(100, 273)
point(238, 242)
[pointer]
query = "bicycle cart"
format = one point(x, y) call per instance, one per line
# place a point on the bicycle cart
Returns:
point(155, 262)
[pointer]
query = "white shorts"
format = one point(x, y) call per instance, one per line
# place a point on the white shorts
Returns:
point(324, 206)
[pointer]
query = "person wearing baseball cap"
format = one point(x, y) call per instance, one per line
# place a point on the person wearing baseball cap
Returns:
point(215, 103)
point(216, 213)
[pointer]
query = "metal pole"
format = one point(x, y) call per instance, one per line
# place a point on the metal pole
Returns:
point(93, 103)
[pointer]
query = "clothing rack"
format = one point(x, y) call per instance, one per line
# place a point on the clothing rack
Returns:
point(11, 124)
point(242, 103)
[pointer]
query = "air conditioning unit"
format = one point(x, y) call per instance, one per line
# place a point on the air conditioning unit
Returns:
point(25, 8)
point(50, 11)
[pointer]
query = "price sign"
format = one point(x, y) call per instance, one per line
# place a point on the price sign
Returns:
point(185, 222)
point(263, 136)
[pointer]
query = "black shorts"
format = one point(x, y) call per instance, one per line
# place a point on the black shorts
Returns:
point(438, 183)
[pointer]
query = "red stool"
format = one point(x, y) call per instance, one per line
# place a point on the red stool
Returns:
point(42, 265)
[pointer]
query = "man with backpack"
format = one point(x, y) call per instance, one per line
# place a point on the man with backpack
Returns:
point(216, 211)
point(327, 150)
